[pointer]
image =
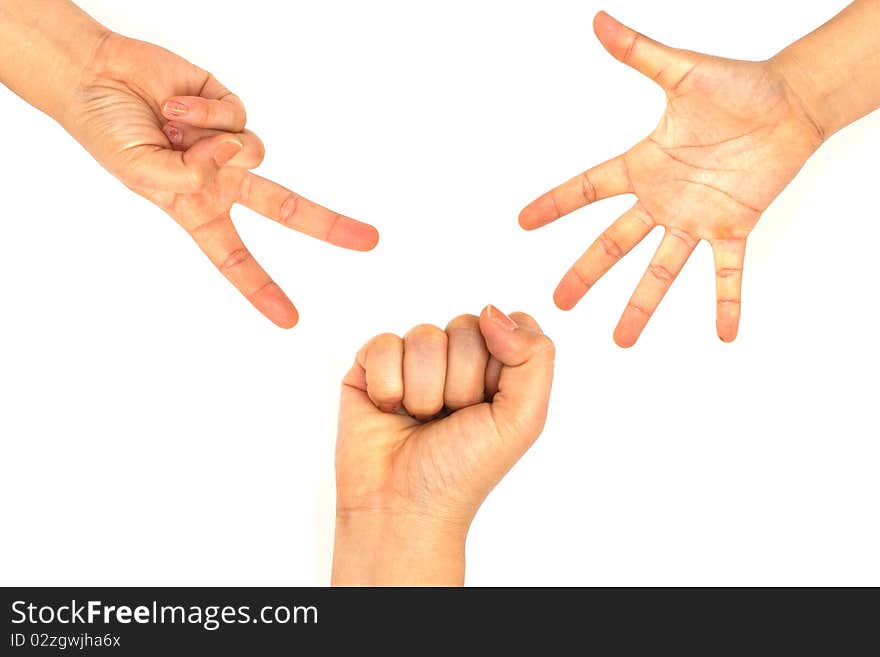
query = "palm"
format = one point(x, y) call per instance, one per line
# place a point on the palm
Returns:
point(118, 114)
point(731, 138)
point(194, 165)
point(726, 120)
point(419, 463)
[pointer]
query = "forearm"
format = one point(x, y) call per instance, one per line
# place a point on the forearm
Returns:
point(375, 549)
point(44, 47)
point(835, 70)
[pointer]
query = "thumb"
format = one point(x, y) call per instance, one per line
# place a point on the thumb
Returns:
point(666, 66)
point(526, 355)
point(188, 171)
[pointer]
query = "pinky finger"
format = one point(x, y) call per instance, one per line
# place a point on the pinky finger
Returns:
point(729, 259)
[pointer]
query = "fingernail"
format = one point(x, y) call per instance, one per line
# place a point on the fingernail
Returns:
point(226, 152)
point(388, 407)
point(174, 134)
point(500, 318)
point(176, 108)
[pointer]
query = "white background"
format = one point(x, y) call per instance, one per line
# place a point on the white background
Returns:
point(158, 431)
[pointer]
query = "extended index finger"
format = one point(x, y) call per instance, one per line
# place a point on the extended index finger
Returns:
point(294, 211)
point(610, 178)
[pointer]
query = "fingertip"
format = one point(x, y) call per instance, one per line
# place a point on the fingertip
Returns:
point(623, 340)
point(371, 239)
point(286, 319)
point(600, 20)
point(174, 133)
point(609, 31)
point(570, 290)
point(275, 305)
point(353, 234)
point(498, 319)
point(626, 333)
point(562, 301)
point(539, 212)
point(526, 321)
point(727, 333)
point(525, 219)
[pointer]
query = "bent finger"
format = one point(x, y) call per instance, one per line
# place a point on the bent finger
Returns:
point(527, 355)
point(226, 114)
point(382, 360)
point(187, 172)
point(424, 370)
point(466, 361)
point(182, 137)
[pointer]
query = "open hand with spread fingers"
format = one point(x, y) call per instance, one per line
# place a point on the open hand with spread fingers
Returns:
point(172, 133)
point(428, 425)
point(733, 135)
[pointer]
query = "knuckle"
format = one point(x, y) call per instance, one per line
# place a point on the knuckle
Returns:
point(689, 240)
point(587, 188)
point(385, 341)
point(585, 281)
point(661, 273)
point(235, 258)
point(628, 53)
point(207, 111)
point(422, 408)
point(644, 215)
point(259, 150)
point(610, 246)
point(547, 347)
point(728, 272)
point(639, 309)
point(198, 179)
point(238, 110)
point(288, 208)
point(384, 389)
point(465, 321)
point(426, 333)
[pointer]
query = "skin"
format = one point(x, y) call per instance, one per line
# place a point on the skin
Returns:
point(428, 425)
point(733, 135)
point(168, 130)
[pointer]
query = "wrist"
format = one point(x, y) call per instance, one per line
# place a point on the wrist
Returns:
point(807, 93)
point(834, 69)
point(389, 548)
point(45, 49)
